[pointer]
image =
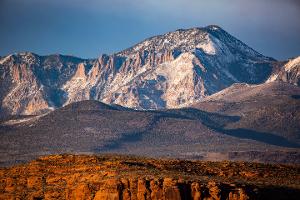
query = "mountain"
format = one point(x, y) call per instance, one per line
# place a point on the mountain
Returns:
point(289, 72)
point(166, 71)
point(242, 122)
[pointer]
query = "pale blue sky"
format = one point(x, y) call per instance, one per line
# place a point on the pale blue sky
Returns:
point(87, 28)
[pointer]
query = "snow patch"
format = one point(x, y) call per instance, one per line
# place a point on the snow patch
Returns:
point(207, 46)
point(178, 69)
point(2, 61)
point(272, 78)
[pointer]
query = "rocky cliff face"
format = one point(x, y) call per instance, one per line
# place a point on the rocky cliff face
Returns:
point(32, 84)
point(289, 72)
point(129, 178)
point(166, 71)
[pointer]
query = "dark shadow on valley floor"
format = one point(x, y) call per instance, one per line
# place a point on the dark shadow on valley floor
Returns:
point(267, 138)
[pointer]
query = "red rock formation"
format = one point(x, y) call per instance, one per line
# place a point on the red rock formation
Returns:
point(114, 178)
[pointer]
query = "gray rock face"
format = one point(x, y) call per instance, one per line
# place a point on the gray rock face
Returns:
point(166, 71)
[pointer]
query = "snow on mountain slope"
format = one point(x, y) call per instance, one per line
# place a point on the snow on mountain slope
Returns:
point(216, 60)
point(161, 87)
point(166, 71)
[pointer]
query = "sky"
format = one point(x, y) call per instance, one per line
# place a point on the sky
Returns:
point(89, 28)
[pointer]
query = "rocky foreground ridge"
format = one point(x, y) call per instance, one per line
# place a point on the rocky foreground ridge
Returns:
point(119, 177)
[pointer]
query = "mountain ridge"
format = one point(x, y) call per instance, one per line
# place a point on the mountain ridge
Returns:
point(171, 70)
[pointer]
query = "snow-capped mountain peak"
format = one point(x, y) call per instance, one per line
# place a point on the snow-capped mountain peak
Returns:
point(165, 71)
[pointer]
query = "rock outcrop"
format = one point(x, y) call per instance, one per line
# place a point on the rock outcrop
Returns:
point(128, 178)
point(289, 72)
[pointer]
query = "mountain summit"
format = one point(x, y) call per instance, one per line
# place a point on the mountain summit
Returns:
point(166, 71)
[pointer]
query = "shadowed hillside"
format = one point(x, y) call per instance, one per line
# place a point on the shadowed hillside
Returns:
point(226, 130)
point(270, 108)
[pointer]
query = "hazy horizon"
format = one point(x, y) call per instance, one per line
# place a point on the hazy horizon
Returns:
point(89, 28)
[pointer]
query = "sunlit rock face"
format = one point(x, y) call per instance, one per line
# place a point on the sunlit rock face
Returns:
point(289, 72)
point(127, 178)
point(166, 71)
point(32, 84)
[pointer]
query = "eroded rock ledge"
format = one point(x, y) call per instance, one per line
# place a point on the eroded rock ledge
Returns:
point(123, 177)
